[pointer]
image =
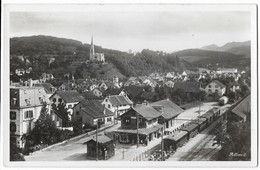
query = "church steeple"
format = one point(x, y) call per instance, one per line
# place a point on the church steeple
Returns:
point(92, 47)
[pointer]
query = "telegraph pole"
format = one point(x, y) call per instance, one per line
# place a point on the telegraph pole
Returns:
point(162, 146)
point(97, 142)
point(137, 126)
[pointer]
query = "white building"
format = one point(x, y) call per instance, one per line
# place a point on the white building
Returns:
point(26, 104)
point(118, 104)
point(215, 87)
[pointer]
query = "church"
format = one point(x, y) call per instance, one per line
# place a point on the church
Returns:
point(95, 56)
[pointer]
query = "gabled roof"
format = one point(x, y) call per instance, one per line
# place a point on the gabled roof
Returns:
point(146, 111)
point(101, 139)
point(170, 109)
point(218, 83)
point(95, 109)
point(69, 96)
point(47, 87)
point(243, 107)
point(117, 100)
point(66, 85)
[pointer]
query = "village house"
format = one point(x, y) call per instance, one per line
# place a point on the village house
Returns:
point(148, 126)
point(64, 87)
point(233, 86)
point(132, 81)
point(98, 92)
point(169, 84)
point(107, 85)
point(69, 98)
point(118, 104)
point(26, 104)
point(215, 87)
point(169, 75)
point(88, 113)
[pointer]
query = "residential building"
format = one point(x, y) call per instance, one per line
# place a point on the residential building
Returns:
point(69, 98)
point(88, 113)
point(117, 104)
point(26, 104)
point(215, 87)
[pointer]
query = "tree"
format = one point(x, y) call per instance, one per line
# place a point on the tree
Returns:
point(62, 111)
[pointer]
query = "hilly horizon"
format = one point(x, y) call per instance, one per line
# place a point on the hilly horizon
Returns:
point(239, 48)
point(141, 63)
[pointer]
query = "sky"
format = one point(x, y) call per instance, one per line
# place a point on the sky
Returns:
point(124, 29)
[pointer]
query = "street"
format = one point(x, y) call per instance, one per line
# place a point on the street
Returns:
point(74, 150)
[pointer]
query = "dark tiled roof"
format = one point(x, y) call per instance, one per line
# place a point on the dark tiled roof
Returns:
point(243, 107)
point(70, 96)
point(188, 86)
point(119, 100)
point(112, 91)
point(170, 109)
point(95, 109)
point(146, 111)
point(101, 139)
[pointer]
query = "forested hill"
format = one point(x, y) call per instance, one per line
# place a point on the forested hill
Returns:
point(142, 63)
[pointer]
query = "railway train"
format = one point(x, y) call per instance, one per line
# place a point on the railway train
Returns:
point(191, 129)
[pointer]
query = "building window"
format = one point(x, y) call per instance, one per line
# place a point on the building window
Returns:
point(127, 121)
point(60, 100)
point(106, 100)
point(109, 119)
point(210, 90)
point(28, 114)
point(209, 86)
point(54, 99)
point(216, 91)
point(108, 106)
point(216, 86)
point(12, 127)
point(53, 117)
point(12, 115)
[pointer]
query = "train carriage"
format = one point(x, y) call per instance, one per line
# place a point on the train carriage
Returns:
point(209, 116)
point(192, 129)
point(202, 123)
point(176, 140)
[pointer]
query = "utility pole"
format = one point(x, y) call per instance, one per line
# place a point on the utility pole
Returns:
point(97, 142)
point(162, 146)
point(137, 127)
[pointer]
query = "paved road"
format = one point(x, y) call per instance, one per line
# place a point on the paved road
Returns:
point(73, 150)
